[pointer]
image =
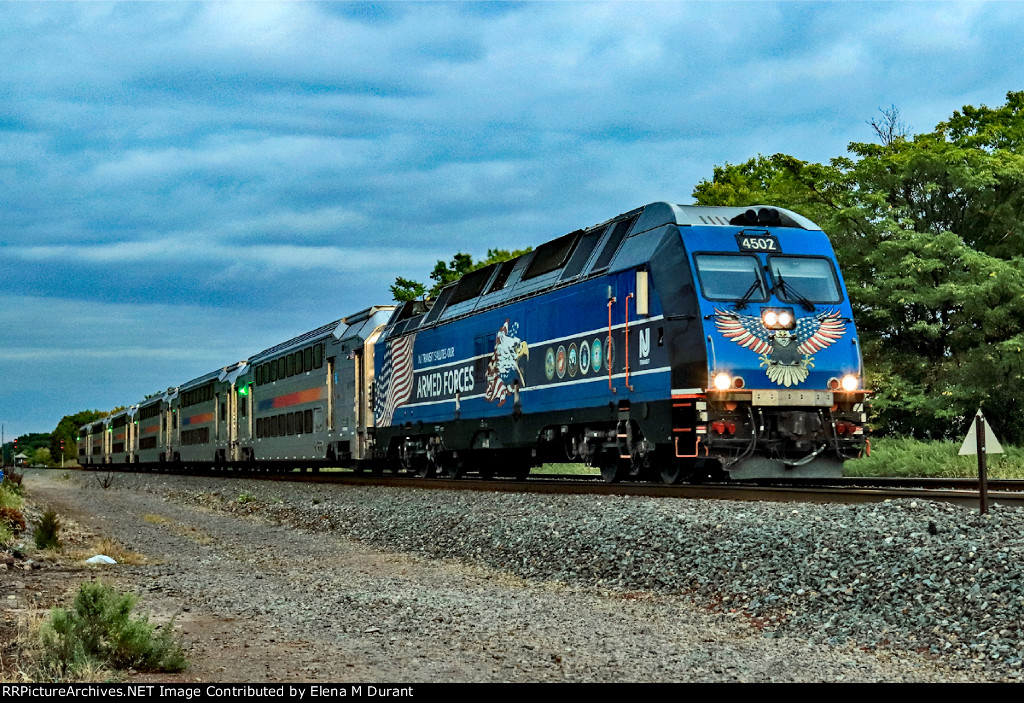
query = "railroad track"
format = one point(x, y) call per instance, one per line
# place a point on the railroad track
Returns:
point(1006, 492)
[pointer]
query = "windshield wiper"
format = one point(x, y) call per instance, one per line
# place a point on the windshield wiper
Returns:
point(742, 302)
point(782, 285)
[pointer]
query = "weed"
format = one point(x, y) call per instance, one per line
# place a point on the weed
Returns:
point(46, 533)
point(14, 520)
point(246, 497)
point(6, 535)
point(99, 631)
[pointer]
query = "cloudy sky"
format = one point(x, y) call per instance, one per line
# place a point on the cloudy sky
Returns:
point(185, 184)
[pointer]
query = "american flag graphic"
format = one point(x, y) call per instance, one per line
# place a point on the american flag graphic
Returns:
point(394, 382)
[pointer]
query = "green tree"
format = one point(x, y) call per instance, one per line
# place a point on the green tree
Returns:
point(927, 230)
point(67, 430)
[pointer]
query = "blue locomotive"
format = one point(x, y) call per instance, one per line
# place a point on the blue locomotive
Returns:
point(671, 341)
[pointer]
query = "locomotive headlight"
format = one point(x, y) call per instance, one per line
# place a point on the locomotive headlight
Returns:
point(778, 318)
point(722, 381)
point(850, 382)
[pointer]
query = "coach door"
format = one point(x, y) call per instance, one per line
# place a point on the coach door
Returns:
point(362, 404)
point(332, 402)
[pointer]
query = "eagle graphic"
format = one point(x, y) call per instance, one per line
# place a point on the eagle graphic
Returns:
point(503, 368)
point(781, 350)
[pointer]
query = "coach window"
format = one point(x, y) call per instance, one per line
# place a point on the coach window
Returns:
point(290, 364)
point(289, 423)
point(307, 359)
point(318, 356)
point(307, 419)
point(298, 361)
point(273, 371)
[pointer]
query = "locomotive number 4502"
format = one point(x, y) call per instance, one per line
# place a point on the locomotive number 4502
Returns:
point(753, 243)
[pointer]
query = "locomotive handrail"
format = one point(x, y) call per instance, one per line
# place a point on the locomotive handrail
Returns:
point(626, 345)
point(608, 345)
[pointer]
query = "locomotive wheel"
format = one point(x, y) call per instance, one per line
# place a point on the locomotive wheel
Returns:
point(422, 468)
point(671, 474)
point(693, 471)
point(449, 465)
point(612, 472)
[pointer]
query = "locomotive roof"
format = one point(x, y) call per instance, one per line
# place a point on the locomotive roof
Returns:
point(658, 214)
point(612, 245)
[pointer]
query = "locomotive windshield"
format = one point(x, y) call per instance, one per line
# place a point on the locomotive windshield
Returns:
point(804, 278)
point(731, 277)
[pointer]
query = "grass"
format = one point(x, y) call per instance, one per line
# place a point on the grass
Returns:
point(10, 495)
point(899, 457)
point(895, 457)
point(98, 633)
point(188, 531)
point(569, 470)
point(111, 548)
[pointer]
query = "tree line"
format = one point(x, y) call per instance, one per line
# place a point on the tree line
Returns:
point(928, 232)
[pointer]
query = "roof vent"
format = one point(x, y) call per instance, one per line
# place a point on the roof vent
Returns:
point(762, 217)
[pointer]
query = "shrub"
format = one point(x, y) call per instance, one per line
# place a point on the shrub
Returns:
point(45, 534)
point(14, 520)
point(12, 481)
point(98, 630)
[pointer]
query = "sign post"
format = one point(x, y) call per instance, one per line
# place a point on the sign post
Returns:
point(981, 440)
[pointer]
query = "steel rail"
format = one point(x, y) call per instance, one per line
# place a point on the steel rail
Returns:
point(846, 491)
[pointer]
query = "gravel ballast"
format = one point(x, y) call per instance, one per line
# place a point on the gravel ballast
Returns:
point(913, 575)
point(910, 580)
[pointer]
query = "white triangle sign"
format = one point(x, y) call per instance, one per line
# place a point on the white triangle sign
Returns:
point(970, 446)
